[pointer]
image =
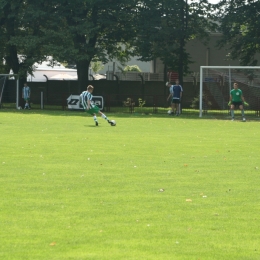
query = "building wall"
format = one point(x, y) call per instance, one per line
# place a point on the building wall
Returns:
point(205, 55)
point(208, 55)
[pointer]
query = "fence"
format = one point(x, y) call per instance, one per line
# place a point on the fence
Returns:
point(116, 95)
point(135, 76)
point(55, 93)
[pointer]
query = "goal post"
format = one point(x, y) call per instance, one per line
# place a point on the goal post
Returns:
point(216, 83)
point(3, 79)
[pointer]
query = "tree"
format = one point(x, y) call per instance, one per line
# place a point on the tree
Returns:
point(78, 31)
point(240, 25)
point(74, 31)
point(87, 29)
point(166, 26)
point(20, 38)
point(7, 31)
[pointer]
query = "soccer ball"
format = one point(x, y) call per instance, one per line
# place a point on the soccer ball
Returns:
point(166, 84)
point(19, 108)
point(169, 112)
point(113, 123)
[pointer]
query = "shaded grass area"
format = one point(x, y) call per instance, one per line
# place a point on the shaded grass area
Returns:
point(155, 111)
point(153, 187)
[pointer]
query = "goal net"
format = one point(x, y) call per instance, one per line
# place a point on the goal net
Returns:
point(2, 85)
point(216, 82)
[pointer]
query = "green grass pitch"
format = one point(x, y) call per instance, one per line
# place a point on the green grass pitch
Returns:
point(153, 187)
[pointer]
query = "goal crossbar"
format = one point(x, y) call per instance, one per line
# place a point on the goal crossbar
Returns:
point(217, 67)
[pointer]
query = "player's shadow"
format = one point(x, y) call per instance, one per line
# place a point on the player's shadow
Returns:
point(89, 125)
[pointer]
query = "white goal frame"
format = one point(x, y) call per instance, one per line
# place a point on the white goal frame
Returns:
point(217, 67)
point(16, 76)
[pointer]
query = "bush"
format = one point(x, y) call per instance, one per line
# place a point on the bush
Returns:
point(132, 68)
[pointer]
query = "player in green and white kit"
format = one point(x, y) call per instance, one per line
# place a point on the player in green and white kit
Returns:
point(237, 99)
point(86, 101)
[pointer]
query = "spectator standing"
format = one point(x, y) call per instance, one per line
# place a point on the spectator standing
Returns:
point(175, 95)
point(26, 93)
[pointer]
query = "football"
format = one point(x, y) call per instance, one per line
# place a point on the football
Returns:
point(113, 123)
point(169, 112)
point(19, 108)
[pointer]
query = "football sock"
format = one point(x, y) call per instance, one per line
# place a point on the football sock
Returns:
point(232, 113)
point(243, 112)
point(104, 116)
point(95, 118)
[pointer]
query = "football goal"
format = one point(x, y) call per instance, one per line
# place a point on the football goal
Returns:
point(3, 80)
point(216, 83)
point(2, 85)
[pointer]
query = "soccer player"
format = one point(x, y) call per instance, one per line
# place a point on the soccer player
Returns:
point(86, 101)
point(176, 95)
point(170, 95)
point(237, 99)
point(26, 93)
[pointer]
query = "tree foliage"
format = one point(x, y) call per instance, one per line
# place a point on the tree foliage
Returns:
point(132, 68)
point(165, 27)
point(240, 25)
point(21, 39)
point(89, 29)
point(74, 31)
point(81, 31)
point(97, 66)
